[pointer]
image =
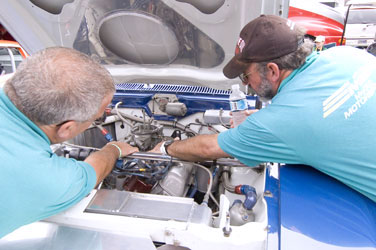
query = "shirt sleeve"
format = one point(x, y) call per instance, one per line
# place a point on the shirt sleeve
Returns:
point(69, 181)
point(258, 139)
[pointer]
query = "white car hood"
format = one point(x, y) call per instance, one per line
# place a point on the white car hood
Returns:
point(161, 41)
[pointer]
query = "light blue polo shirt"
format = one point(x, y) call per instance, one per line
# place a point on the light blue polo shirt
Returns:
point(324, 115)
point(34, 182)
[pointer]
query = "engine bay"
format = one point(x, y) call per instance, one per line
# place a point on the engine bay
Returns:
point(219, 194)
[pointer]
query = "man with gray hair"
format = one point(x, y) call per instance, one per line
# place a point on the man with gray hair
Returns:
point(54, 95)
point(322, 110)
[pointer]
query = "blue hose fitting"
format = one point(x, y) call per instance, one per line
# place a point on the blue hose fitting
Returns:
point(250, 195)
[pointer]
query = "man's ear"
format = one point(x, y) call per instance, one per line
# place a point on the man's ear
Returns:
point(66, 130)
point(273, 72)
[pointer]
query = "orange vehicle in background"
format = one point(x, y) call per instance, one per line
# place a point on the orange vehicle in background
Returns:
point(13, 45)
point(11, 55)
point(318, 19)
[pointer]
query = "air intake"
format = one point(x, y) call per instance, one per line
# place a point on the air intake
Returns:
point(168, 88)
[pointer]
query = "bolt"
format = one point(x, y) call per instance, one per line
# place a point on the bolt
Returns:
point(267, 193)
point(227, 229)
point(227, 232)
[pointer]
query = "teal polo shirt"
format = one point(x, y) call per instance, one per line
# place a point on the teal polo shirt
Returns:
point(35, 183)
point(323, 116)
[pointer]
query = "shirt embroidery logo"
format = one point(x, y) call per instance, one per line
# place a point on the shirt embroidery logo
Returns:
point(362, 88)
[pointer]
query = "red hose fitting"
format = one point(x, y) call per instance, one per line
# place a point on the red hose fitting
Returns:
point(238, 189)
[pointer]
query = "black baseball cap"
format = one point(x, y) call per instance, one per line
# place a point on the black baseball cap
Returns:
point(264, 38)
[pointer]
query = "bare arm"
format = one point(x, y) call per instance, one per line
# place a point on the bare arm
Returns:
point(198, 148)
point(104, 160)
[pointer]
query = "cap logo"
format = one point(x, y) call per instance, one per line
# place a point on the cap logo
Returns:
point(239, 46)
point(290, 24)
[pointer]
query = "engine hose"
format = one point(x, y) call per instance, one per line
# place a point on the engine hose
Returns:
point(248, 191)
point(250, 195)
point(226, 180)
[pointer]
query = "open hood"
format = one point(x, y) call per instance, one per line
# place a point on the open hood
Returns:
point(161, 41)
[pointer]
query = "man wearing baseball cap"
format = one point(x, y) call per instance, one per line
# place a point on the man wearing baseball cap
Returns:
point(319, 43)
point(321, 112)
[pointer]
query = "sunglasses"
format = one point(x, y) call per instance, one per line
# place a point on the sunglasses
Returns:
point(244, 77)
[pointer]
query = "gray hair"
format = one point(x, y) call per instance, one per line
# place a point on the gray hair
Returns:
point(59, 84)
point(295, 59)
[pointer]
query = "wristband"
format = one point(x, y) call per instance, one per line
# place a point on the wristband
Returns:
point(164, 146)
point(116, 146)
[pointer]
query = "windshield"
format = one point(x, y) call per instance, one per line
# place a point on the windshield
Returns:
point(362, 16)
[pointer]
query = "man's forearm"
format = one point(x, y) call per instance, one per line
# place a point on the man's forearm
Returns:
point(103, 161)
point(198, 148)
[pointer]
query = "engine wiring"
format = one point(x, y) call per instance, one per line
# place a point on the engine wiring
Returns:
point(155, 169)
point(149, 170)
point(221, 111)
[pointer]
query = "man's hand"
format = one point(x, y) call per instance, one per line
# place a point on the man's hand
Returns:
point(157, 148)
point(103, 160)
point(248, 112)
point(125, 148)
